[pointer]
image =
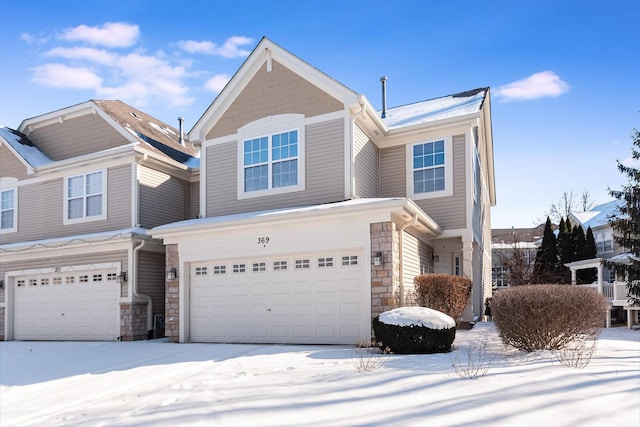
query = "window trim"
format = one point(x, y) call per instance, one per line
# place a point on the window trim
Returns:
point(269, 127)
point(84, 218)
point(15, 211)
point(448, 170)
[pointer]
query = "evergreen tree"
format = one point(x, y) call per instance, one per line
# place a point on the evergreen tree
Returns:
point(566, 250)
point(626, 223)
point(590, 252)
point(547, 257)
point(579, 250)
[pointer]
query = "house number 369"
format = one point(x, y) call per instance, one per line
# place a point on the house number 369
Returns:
point(263, 240)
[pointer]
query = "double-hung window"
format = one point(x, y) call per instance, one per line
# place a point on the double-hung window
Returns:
point(8, 210)
point(271, 162)
point(85, 197)
point(430, 174)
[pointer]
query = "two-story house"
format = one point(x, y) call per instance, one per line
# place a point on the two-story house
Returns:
point(80, 188)
point(317, 211)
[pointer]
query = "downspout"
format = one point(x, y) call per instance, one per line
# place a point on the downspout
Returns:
point(352, 178)
point(409, 223)
point(134, 278)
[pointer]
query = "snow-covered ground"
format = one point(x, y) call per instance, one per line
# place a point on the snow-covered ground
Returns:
point(159, 383)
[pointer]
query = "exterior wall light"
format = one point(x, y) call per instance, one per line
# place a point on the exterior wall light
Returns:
point(122, 277)
point(172, 274)
point(435, 258)
point(377, 259)
point(1, 284)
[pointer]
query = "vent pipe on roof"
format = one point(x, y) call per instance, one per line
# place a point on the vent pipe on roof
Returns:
point(383, 80)
point(181, 129)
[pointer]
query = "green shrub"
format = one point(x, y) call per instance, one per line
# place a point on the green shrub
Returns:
point(414, 338)
point(443, 292)
point(547, 317)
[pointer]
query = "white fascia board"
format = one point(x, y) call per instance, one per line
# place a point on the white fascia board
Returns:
point(385, 206)
point(57, 116)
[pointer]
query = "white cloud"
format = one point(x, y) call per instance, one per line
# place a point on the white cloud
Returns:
point(63, 76)
point(111, 34)
point(538, 85)
point(30, 39)
point(84, 53)
point(217, 83)
point(230, 48)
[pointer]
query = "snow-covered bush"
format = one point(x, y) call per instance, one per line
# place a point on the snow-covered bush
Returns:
point(547, 317)
point(415, 330)
point(446, 293)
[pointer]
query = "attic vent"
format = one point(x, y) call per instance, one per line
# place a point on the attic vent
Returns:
point(135, 115)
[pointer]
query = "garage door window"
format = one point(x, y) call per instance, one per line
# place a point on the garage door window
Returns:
point(83, 279)
point(70, 280)
point(239, 268)
point(302, 263)
point(33, 282)
point(57, 280)
point(279, 265)
point(325, 262)
point(44, 281)
point(259, 266)
point(350, 260)
point(97, 277)
point(201, 271)
point(219, 269)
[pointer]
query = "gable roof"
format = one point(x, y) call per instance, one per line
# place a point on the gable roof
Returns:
point(597, 216)
point(23, 148)
point(135, 126)
point(262, 55)
point(445, 107)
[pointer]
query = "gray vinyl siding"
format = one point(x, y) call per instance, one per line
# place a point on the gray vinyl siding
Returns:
point(449, 212)
point(324, 158)
point(40, 209)
point(366, 160)
point(75, 137)
point(10, 166)
point(151, 268)
point(163, 198)
point(393, 172)
point(64, 261)
point(194, 199)
point(416, 260)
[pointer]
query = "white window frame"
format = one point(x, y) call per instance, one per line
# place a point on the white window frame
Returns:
point(85, 218)
point(448, 170)
point(14, 228)
point(270, 126)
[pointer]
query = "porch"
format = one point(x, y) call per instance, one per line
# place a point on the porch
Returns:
point(615, 292)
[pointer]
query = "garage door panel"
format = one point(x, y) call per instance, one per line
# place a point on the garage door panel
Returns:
point(281, 300)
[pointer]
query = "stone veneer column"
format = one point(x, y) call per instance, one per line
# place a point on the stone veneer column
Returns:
point(133, 321)
point(172, 296)
point(385, 278)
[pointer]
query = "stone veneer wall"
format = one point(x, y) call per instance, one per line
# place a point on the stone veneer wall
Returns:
point(385, 278)
point(172, 297)
point(133, 321)
point(1, 323)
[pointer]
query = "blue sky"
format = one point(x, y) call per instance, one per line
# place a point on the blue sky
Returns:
point(564, 75)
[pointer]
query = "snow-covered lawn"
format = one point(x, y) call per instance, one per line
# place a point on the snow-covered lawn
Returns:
point(159, 383)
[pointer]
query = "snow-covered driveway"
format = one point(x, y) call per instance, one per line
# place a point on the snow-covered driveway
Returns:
point(159, 383)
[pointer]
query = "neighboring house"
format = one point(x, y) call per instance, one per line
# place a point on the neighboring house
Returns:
point(513, 252)
point(317, 211)
point(614, 288)
point(80, 187)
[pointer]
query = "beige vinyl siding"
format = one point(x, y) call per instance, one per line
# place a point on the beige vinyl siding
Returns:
point(76, 137)
point(10, 166)
point(194, 199)
point(324, 158)
point(279, 91)
point(36, 263)
point(41, 209)
point(163, 198)
point(448, 212)
point(416, 260)
point(151, 268)
point(366, 160)
point(393, 172)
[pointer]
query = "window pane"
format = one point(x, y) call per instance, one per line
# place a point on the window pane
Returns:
point(285, 173)
point(6, 219)
point(439, 159)
point(7, 200)
point(75, 208)
point(94, 205)
point(255, 178)
point(75, 186)
point(94, 183)
point(439, 146)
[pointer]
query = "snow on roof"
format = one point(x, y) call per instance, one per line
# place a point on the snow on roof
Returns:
point(417, 316)
point(24, 147)
point(599, 215)
point(436, 109)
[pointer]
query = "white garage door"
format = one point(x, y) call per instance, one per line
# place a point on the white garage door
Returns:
point(319, 299)
point(67, 306)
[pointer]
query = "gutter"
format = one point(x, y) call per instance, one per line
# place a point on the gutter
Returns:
point(412, 221)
